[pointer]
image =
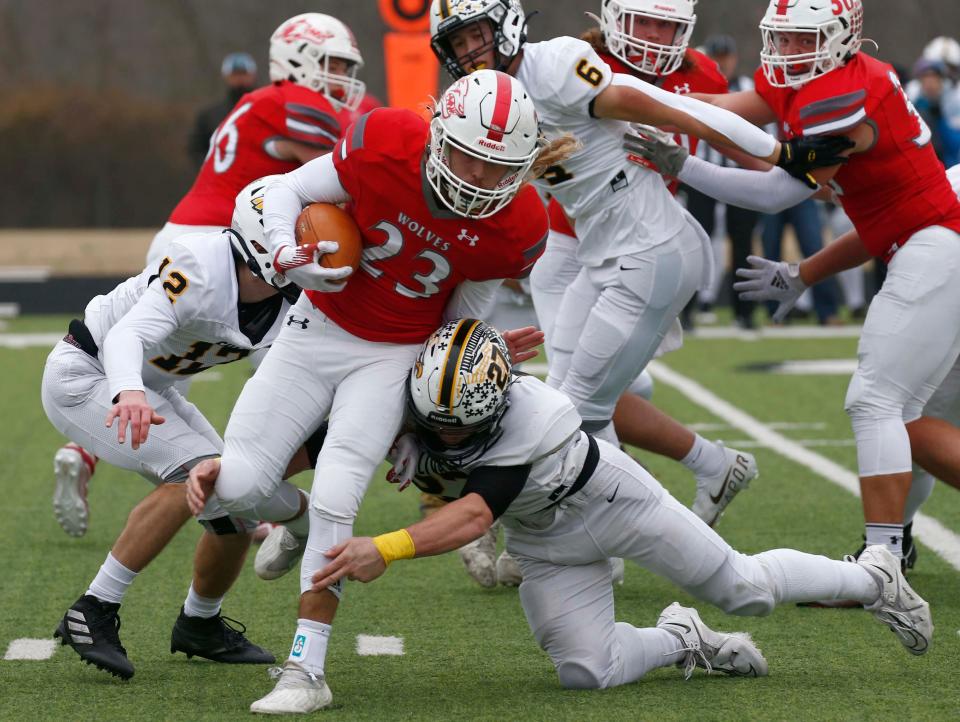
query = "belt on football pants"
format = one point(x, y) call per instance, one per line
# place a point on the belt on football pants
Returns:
point(79, 335)
point(589, 466)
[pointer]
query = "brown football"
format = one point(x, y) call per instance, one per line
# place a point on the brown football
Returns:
point(327, 222)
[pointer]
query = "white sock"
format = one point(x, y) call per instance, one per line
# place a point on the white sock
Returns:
point(920, 490)
point(301, 525)
point(643, 650)
point(310, 645)
point(197, 606)
point(889, 535)
point(705, 458)
point(111, 581)
point(799, 577)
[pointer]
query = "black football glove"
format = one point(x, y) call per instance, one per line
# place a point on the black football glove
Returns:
point(801, 155)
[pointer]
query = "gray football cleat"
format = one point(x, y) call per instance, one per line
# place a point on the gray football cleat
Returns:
point(479, 558)
point(734, 654)
point(508, 571)
point(297, 692)
point(279, 553)
point(714, 493)
point(899, 607)
point(72, 472)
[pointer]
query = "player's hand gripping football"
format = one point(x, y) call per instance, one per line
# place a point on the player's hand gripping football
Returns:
point(132, 407)
point(300, 264)
point(771, 281)
point(404, 455)
point(799, 156)
point(522, 343)
point(357, 559)
point(200, 485)
point(654, 149)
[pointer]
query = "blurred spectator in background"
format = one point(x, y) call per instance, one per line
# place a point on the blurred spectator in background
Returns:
point(938, 102)
point(239, 71)
point(739, 222)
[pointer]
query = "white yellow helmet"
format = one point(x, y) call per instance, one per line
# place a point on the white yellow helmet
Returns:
point(457, 389)
point(618, 22)
point(487, 115)
point(246, 237)
point(301, 49)
point(508, 25)
point(839, 28)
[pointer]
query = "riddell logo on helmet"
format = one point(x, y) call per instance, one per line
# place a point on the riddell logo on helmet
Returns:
point(483, 142)
point(303, 30)
point(455, 99)
point(667, 8)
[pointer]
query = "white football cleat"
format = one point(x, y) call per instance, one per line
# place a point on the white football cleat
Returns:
point(617, 569)
point(479, 557)
point(508, 571)
point(714, 493)
point(72, 472)
point(279, 553)
point(297, 692)
point(734, 654)
point(899, 607)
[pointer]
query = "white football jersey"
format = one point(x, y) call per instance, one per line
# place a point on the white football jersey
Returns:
point(179, 317)
point(563, 76)
point(541, 427)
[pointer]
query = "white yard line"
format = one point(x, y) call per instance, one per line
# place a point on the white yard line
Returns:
point(928, 530)
point(370, 645)
point(30, 340)
point(31, 649)
point(778, 332)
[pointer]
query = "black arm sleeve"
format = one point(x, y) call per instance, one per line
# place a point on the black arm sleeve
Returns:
point(497, 485)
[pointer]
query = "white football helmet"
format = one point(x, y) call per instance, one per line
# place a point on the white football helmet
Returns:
point(838, 26)
point(619, 24)
point(301, 49)
point(457, 389)
point(943, 49)
point(487, 115)
point(246, 236)
point(507, 21)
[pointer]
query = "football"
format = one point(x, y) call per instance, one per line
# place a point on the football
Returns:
point(327, 222)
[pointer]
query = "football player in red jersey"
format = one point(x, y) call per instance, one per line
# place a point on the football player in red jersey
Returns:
point(815, 80)
point(444, 217)
point(314, 62)
point(313, 65)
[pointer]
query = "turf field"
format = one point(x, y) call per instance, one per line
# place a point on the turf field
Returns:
point(467, 651)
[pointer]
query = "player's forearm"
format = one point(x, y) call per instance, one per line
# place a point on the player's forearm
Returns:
point(769, 191)
point(628, 98)
point(315, 182)
point(844, 253)
point(458, 523)
point(472, 299)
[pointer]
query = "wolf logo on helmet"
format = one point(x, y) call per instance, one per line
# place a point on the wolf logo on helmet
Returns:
point(454, 100)
point(456, 392)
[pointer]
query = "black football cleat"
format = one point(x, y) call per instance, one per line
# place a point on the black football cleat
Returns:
point(92, 628)
point(217, 640)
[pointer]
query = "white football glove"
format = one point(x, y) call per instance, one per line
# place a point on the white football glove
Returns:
point(649, 146)
point(300, 264)
point(771, 281)
point(404, 455)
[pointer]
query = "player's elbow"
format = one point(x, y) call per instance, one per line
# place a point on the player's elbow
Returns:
point(478, 517)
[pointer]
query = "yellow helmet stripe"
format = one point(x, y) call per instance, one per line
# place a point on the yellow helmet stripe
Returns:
point(449, 375)
point(444, 9)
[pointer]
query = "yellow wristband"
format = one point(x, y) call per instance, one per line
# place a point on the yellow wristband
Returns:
point(395, 545)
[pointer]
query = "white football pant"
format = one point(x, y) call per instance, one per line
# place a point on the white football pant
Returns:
point(76, 397)
point(622, 511)
point(910, 341)
point(614, 318)
point(314, 369)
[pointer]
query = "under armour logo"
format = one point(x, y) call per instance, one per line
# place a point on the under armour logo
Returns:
point(302, 322)
point(682, 89)
point(465, 236)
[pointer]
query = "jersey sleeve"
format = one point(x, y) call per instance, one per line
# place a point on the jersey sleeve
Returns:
point(156, 314)
point(306, 117)
point(367, 140)
point(571, 75)
point(834, 111)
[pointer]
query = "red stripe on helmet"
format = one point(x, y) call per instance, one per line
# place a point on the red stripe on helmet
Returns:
point(782, 6)
point(501, 108)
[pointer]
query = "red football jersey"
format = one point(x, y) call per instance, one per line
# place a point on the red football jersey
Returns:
point(416, 251)
point(697, 74)
point(896, 188)
point(240, 150)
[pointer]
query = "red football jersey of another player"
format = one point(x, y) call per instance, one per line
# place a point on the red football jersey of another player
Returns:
point(241, 148)
point(697, 74)
point(898, 186)
point(416, 251)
